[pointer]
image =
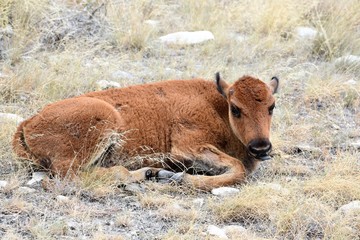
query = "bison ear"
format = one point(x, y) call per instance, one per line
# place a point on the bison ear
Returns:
point(274, 84)
point(221, 85)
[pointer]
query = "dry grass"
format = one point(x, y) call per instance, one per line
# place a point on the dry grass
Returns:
point(51, 50)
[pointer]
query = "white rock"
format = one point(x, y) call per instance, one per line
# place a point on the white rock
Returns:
point(352, 206)
point(62, 198)
point(187, 37)
point(10, 117)
point(6, 31)
point(234, 230)
point(224, 191)
point(351, 82)
point(104, 84)
point(199, 202)
point(122, 75)
point(25, 190)
point(216, 231)
point(3, 75)
point(306, 32)
point(355, 144)
point(239, 37)
point(36, 177)
point(276, 187)
point(3, 184)
point(308, 149)
point(349, 60)
point(152, 23)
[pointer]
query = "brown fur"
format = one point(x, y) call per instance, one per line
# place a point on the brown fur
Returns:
point(187, 121)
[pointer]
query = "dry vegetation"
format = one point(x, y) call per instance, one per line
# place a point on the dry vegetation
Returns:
point(50, 50)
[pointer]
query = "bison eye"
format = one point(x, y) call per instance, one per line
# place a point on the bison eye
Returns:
point(271, 109)
point(235, 111)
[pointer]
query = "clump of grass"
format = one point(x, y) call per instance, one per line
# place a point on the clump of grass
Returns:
point(23, 17)
point(128, 20)
point(339, 183)
point(336, 22)
point(16, 205)
point(303, 218)
point(337, 91)
point(153, 201)
point(252, 204)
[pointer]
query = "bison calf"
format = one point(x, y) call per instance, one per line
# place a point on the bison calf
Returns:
point(210, 134)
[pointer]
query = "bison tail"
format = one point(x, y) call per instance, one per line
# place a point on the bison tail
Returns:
point(19, 145)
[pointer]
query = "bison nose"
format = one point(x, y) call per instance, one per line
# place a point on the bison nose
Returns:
point(260, 149)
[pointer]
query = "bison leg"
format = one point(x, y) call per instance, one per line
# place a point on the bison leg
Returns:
point(219, 168)
point(66, 136)
point(120, 174)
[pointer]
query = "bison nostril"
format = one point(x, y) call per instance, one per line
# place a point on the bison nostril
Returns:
point(259, 148)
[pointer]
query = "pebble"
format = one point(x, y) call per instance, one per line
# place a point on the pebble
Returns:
point(351, 82)
point(355, 144)
point(276, 187)
point(3, 184)
point(10, 117)
point(62, 198)
point(351, 206)
point(152, 23)
point(25, 190)
point(347, 60)
point(224, 191)
point(216, 231)
point(105, 84)
point(199, 202)
point(36, 177)
point(234, 230)
point(134, 188)
point(306, 32)
point(308, 149)
point(122, 75)
point(187, 37)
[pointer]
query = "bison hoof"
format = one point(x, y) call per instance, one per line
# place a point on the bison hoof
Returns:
point(148, 174)
point(165, 176)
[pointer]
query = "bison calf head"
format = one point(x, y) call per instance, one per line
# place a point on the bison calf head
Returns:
point(251, 105)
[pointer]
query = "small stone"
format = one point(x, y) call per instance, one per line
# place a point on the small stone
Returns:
point(216, 231)
point(25, 190)
point(351, 82)
point(187, 37)
point(199, 202)
point(122, 75)
point(355, 144)
point(352, 206)
point(276, 187)
point(36, 177)
point(152, 23)
point(224, 191)
point(306, 32)
point(348, 60)
point(62, 198)
point(104, 84)
point(72, 225)
point(234, 230)
point(10, 117)
point(239, 37)
point(134, 187)
point(307, 149)
point(3, 184)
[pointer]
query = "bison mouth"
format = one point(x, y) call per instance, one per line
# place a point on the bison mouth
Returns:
point(263, 158)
